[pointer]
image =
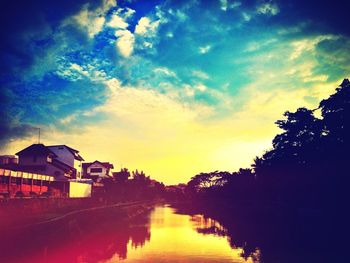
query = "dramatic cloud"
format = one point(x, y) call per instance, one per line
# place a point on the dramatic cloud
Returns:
point(117, 22)
point(171, 87)
point(125, 42)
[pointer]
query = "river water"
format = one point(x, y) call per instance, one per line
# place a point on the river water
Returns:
point(161, 235)
point(182, 238)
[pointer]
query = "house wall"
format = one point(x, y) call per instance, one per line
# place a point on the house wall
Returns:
point(48, 168)
point(55, 171)
point(63, 155)
point(77, 189)
point(97, 165)
point(77, 166)
point(32, 160)
point(8, 159)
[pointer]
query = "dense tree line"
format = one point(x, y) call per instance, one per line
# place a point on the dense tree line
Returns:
point(291, 203)
point(307, 165)
point(129, 186)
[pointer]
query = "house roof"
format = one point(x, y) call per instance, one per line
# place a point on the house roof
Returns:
point(36, 149)
point(75, 152)
point(107, 165)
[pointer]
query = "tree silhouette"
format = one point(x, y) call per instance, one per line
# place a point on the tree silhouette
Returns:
point(122, 176)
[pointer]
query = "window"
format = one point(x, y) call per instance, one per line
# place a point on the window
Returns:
point(34, 159)
point(57, 173)
point(95, 170)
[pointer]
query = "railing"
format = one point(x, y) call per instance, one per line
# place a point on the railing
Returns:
point(26, 175)
point(20, 184)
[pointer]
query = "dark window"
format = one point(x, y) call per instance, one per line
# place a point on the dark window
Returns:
point(95, 170)
point(26, 181)
point(34, 159)
point(57, 173)
point(4, 179)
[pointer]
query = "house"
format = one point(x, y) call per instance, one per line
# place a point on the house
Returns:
point(59, 161)
point(68, 156)
point(97, 170)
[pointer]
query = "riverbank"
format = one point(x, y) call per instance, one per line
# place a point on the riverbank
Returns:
point(19, 213)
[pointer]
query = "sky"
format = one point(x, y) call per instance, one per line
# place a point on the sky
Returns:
point(172, 88)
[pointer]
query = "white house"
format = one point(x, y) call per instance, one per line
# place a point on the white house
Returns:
point(97, 170)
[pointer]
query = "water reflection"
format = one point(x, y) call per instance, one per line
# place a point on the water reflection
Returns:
point(205, 225)
point(88, 238)
point(208, 226)
point(158, 236)
point(185, 238)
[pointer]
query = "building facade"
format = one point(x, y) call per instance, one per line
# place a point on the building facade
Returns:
point(97, 170)
point(59, 161)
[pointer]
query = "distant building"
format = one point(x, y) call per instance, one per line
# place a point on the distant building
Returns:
point(59, 161)
point(97, 170)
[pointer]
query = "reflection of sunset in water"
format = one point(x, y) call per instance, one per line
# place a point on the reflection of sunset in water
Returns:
point(158, 236)
point(178, 238)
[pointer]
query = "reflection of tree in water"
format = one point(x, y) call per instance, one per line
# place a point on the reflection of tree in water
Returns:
point(208, 226)
point(139, 236)
point(75, 240)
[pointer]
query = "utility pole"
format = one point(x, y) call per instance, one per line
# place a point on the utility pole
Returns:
point(38, 135)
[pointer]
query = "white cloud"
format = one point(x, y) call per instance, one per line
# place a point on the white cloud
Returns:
point(200, 74)
point(146, 27)
point(268, 8)
point(178, 14)
point(69, 119)
point(125, 42)
point(204, 49)
point(189, 91)
point(246, 16)
point(170, 34)
point(223, 5)
point(117, 22)
point(74, 72)
point(235, 5)
point(165, 71)
point(306, 45)
point(92, 21)
point(127, 12)
point(201, 87)
point(79, 69)
point(120, 17)
point(257, 45)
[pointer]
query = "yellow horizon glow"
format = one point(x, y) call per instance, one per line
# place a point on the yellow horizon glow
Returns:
point(170, 141)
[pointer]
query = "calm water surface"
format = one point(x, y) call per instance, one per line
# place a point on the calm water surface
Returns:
point(161, 235)
point(180, 238)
